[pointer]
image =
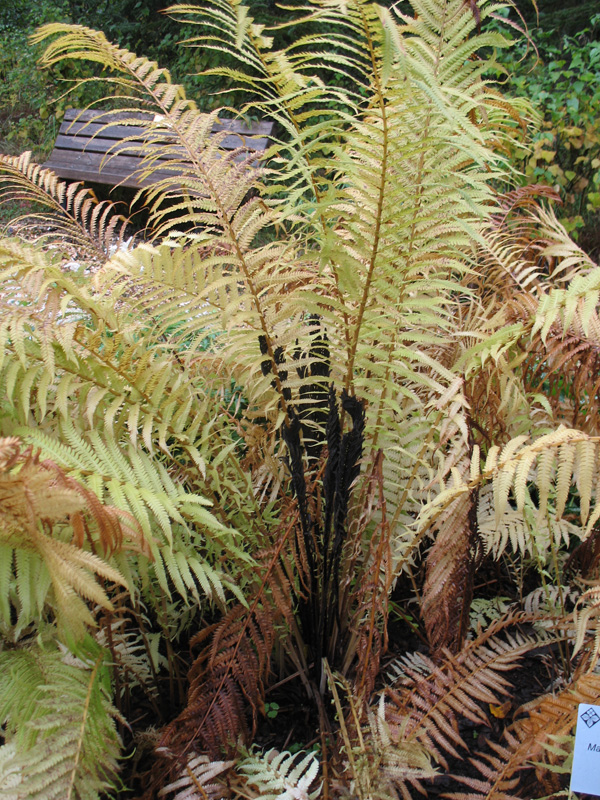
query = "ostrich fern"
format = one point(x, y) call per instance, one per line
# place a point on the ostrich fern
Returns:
point(282, 401)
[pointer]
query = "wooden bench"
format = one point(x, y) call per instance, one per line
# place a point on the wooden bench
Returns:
point(95, 146)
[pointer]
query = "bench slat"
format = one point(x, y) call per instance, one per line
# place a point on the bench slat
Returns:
point(260, 128)
point(111, 147)
point(116, 133)
point(96, 167)
point(88, 140)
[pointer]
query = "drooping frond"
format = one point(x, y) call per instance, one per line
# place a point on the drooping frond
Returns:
point(41, 509)
point(71, 214)
point(541, 737)
point(119, 379)
point(61, 741)
point(69, 349)
point(212, 293)
point(513, 256)
point(174, 521)
point(524, 532)
point(432, 697)
point(553, 463)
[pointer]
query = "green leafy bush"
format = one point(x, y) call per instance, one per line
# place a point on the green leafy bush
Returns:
point(562, 79)
point(33, 101)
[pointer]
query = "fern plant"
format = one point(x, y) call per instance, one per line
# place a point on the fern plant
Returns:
point(281, 401)
point(60, 734)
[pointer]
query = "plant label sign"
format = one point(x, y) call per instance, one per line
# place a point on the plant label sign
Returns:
point(585, 776)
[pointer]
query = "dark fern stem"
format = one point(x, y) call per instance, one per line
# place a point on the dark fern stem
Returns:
point(323, 514)
point(341, 471)
point(317, 446)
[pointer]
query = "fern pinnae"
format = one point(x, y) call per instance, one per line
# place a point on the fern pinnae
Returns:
point(138, 485)
point(566, 459)
point(253, 49)
point(196, 780)
point(80, 739)
point(522, 476)
point(586, 458)
point(68, 699)
point(531, 741)
point(457, 686)
point(277, 775)
point(93, 226)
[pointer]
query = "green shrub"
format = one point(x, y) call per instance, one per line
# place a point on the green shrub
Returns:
point(562, 79)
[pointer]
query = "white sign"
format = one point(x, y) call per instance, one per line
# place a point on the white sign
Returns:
point(586, 756)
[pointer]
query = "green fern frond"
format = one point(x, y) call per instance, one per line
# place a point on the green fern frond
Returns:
point(177, 524)
point(286, 84)
point(39, 507)
point(60, 736)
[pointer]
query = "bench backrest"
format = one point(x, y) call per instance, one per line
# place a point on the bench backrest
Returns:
point(93, 146)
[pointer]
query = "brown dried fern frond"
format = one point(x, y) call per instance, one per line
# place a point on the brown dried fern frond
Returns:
point(450, 567)
point(564, 363)
point(527, 250)
point(365, 600)
point(227, 682)
point(523, 198)
point(427, 705)
point(227, 679)
point(535, 743)
point(552, 287)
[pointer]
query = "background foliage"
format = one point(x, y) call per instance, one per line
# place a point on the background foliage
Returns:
point(560, 73)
